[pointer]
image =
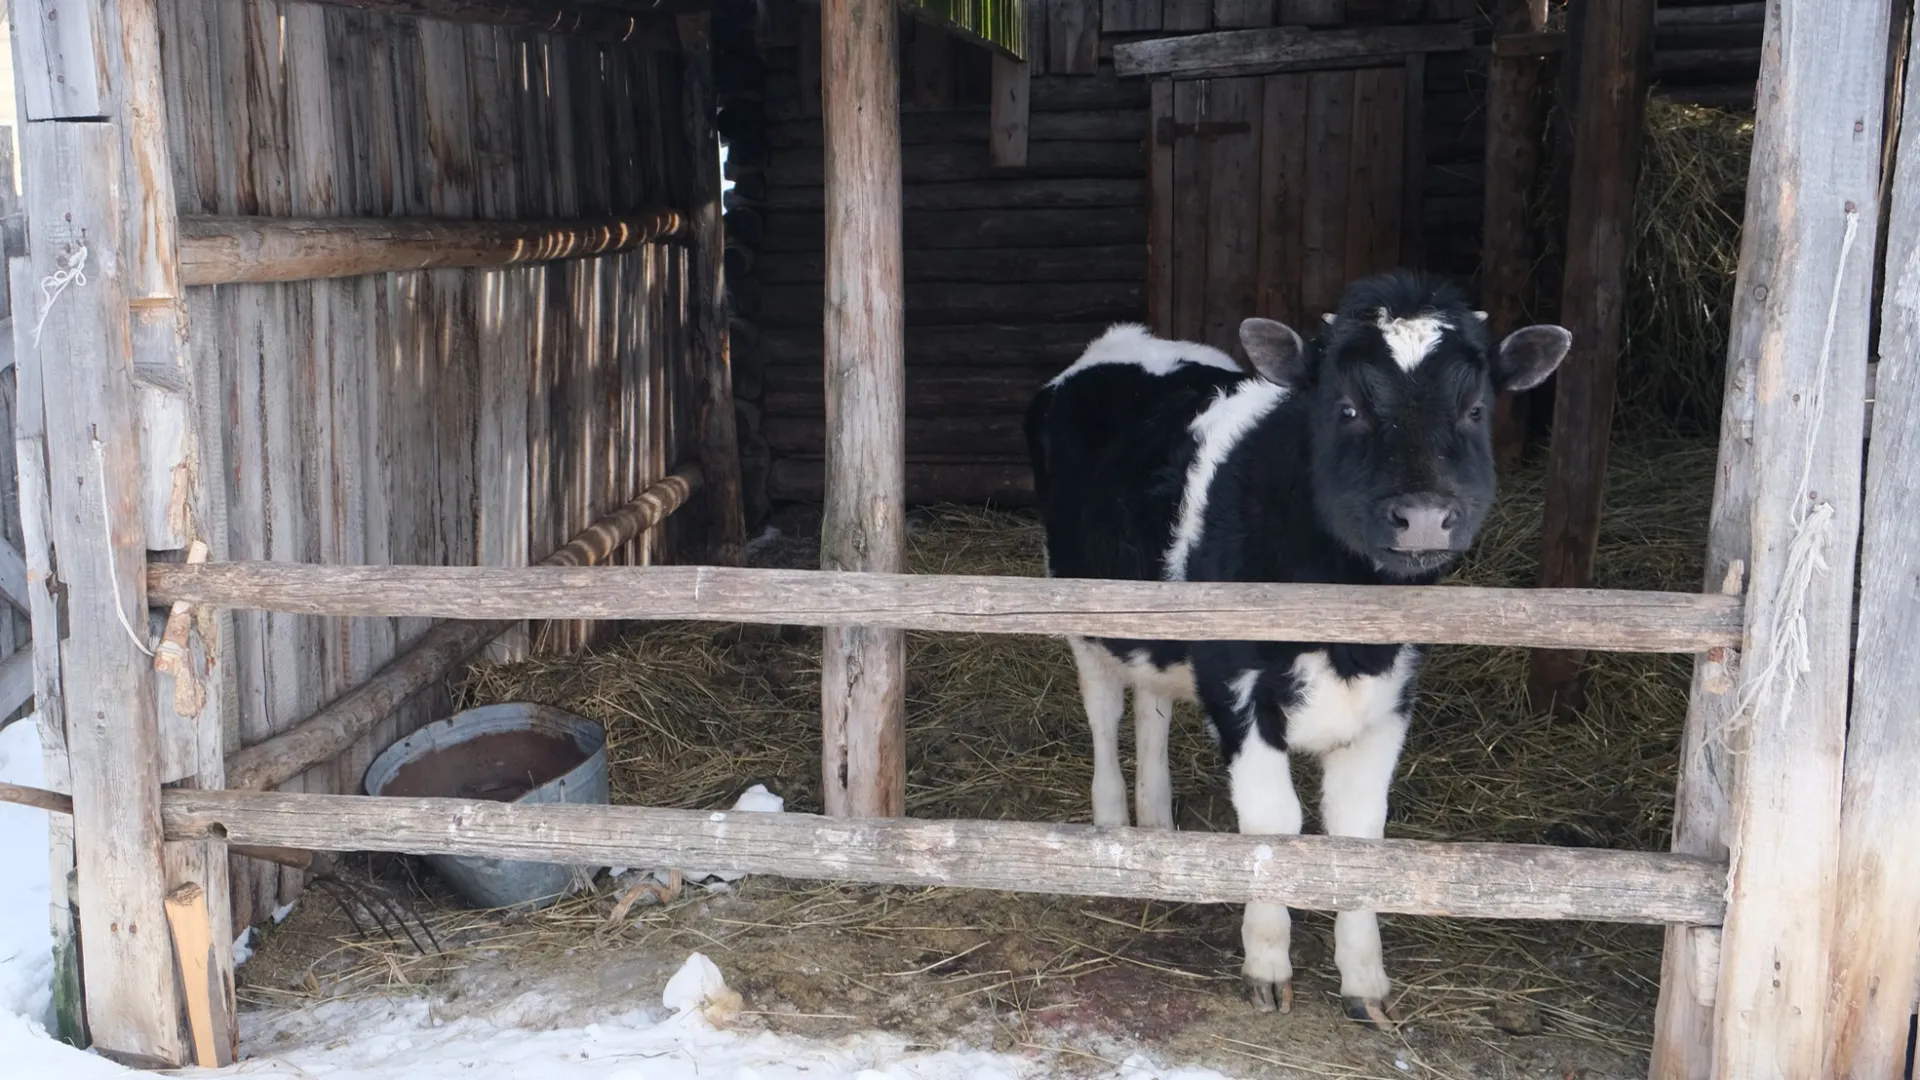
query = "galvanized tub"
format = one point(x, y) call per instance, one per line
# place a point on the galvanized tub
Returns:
point(508, 753)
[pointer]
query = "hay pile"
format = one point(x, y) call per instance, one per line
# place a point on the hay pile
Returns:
point(697, 713)
point(1687, 213)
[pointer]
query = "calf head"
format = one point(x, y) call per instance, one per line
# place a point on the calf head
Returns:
point(1398, 389)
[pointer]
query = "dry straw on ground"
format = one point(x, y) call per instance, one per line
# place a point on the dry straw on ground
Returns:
point(696, 713)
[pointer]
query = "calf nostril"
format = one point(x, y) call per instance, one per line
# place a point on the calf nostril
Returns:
point(1399, 519)
point(1446, 521)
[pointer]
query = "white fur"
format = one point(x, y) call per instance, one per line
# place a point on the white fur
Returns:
point(1265, 804)
point(1131, 343)
point(1410, 340)
point(1216, 431)
point(1104, 681)
point(1243, 686)
point(1334, 712)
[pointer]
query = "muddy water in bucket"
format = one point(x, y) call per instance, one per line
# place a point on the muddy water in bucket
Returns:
point(502, 753)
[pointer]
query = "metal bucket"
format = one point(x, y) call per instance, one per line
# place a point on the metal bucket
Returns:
point(520, 734)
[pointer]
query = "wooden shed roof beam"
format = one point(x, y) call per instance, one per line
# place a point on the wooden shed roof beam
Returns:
point(235, 250)
point(1282, 48)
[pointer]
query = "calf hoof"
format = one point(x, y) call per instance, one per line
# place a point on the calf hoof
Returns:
point(1369, 1011)
point(1270, 996)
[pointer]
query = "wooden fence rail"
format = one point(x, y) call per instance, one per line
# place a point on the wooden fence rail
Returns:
point(236, 250)
point(1495, 881)
point(1193, 611)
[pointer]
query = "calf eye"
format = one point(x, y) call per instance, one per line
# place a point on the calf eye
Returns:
point(1348, 412)
point(1474, 414)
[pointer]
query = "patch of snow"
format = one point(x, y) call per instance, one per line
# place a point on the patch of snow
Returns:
point(280, 913)
point(29, 1051)
point(26, 939)
point(699, 991)
point(243, 947)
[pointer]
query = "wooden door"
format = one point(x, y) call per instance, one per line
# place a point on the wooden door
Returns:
point(1271, 193)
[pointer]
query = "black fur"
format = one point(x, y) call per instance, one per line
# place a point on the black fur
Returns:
point(1298, 499)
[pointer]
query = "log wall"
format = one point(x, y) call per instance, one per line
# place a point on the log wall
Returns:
point(448, 417)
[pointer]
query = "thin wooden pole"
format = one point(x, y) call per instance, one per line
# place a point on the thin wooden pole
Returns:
point(863, 669)
point(719, 437)
point(1803, 303)
point(1516, 120)
point(1879, 903)
point(1615, 45)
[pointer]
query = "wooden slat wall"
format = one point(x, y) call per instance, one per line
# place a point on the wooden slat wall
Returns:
point(443, 417)
point(1011, 271)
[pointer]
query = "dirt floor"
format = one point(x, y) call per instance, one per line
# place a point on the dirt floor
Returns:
point(696, 714)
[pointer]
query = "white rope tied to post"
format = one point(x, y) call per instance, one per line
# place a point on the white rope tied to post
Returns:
point(106, 529)
point(1782, 630)
point(51, 286)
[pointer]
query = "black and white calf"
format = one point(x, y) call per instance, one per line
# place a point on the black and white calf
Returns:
point(1366, 458)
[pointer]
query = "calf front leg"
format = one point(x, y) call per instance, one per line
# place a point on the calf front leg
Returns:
point(1353, 802)
point(1103, 693)
point(1153, 781)
point(1265, 804)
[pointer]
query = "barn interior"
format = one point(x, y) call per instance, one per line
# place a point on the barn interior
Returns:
point(484, 417)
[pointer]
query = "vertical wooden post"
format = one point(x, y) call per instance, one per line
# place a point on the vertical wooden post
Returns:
point(1874, 961)
point(76, 210)
point(1516, 117)
point(1007, 132)
point(863, 670)
point(1615, 43)
point(1802, 308)
point(178, 494)
point(719, 438)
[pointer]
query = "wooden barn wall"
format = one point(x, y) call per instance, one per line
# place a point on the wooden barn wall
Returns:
point(1010, 271)
point(444, 417)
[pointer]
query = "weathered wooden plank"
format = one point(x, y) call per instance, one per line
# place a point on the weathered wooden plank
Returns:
point(1448, 615)
point(346, 719)
point(1189, 248)
point(1879, 884)
point(1073, 37)
point(953, 304)
point(1129, 16)
point(863, 669)
point(1283, 176)
point(635, 29)
point(1116, 263)
point(1374, 171)
point(63, 59)
point(982, 343)
point(16, 679)
point(1010, 112)
point(953, 163)
point(1186, 15)
point(229, 250)
point(797, 392)
point(1324, 217)
point(1615, 45)
point(13, 574)
point(1413, 161)
point(933, 129)
point(93, 469)
point(1160, 208)
point(1801, 310)
point(1516, 124)
point(1000, 229)
point(1267, 51)
point(1001, 483)
point(1233, 209)
point(1242, 14)
point(944, 432)
point(1311, 872)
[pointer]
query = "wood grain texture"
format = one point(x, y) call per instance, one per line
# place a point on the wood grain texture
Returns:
point(645, 29)
point(863, 527)
point(1274, 49)
point(346, 719)
point(1452, 615)
point(63, 59)
point(133, 1004)
point(1311, 872)
point(1516, 130)
point(1233, 209)
point(1879, 878)
point(1802, 309)
point(1616, 47)
point(1073, 37)
point(1010, 112)
point(232, 250)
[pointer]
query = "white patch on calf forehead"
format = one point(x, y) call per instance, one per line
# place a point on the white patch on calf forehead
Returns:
point(1216, 431)
point(1410, 340)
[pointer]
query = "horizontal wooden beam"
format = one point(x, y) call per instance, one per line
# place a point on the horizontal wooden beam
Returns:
point(1325, 873)
point(652, 26)
point(55, 802)
point(1749, 14)
point(1282, 48)
point(236, 250)
point(345, 719)
point(1189, 611)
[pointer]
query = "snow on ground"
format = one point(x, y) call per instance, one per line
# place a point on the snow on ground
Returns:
point(403, 1039)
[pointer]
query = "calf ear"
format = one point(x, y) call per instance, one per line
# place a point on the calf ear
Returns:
point(1277, 352)
point(1529, 355)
